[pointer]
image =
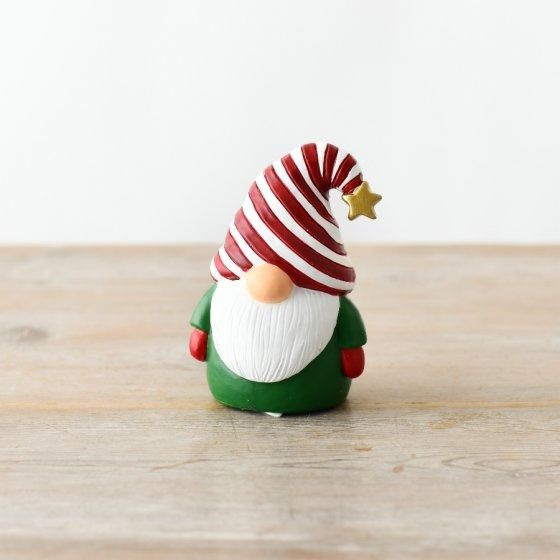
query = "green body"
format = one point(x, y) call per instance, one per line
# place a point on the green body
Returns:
point(318, 386)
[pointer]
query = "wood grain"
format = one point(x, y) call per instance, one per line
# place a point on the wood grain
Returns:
point(111, 445)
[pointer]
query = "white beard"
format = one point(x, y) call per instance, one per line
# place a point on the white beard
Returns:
point(269, 342)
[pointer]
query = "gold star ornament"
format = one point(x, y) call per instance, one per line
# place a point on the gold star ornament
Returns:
point(361, 202)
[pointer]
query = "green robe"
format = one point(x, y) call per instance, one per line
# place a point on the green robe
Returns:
point(319, 385)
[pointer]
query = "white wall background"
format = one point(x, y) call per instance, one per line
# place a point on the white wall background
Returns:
point(147, 121)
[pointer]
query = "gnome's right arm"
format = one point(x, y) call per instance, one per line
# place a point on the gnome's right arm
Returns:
point(200, 320)
point(351, 334)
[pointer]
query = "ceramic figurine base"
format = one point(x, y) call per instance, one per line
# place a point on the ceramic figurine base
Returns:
point(320, 385)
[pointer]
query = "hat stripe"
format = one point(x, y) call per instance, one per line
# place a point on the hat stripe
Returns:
point(304, 233)
point(247, 250)
point(297, 158)
point(214, 271)
point(352, 183)
point(235, 253)
point(229, 263)
point(328, 163)
point(310, 253)
point(237, 260)
point(311, 159)
point(342, 172)
point(223, 270)
point(352, 174)
point(320, 203)
point(265, 251)
point(330, 226)
point(321, 148)
point(340, 157)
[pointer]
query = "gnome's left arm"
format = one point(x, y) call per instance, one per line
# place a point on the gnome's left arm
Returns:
point(200, 320)
point(351, 335)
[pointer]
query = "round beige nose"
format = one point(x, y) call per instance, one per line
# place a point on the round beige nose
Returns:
point(268, 284)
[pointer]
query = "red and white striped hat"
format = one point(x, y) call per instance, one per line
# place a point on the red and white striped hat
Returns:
point(286, 220)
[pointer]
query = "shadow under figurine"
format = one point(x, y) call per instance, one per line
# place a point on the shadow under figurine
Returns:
point(276, 329)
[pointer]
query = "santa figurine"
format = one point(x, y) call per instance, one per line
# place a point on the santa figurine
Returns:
point(276, 330)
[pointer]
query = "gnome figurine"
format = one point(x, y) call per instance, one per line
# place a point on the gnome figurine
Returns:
point(276, 330)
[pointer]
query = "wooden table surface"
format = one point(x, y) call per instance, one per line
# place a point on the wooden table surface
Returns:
point(112, 447)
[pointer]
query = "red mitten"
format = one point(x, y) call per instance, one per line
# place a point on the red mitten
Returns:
point(197, 345)
point(353, 361)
